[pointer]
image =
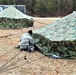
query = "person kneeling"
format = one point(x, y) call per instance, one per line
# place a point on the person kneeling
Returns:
point(26, 42)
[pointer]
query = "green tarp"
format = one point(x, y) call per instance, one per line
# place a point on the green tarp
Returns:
point(11, 18)
point(58, 38)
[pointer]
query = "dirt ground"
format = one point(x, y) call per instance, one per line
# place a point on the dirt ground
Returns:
point(12, 61)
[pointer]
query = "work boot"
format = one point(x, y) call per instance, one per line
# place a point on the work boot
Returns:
point(18, 46)
point(29, 50)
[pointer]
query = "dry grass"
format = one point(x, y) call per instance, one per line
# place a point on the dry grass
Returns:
point(36, 63)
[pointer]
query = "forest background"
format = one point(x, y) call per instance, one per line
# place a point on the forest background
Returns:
point(45, 8)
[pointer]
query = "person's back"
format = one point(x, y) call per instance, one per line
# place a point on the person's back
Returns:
point(26, 36)
point(26, 41)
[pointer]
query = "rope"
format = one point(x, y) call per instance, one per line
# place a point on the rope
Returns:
point(7, 35)
point(21, 29)
point(40, 22)
point(5, 66)
point(5, 54)
point(22, 64)
point(9, 61)
point(11, 64)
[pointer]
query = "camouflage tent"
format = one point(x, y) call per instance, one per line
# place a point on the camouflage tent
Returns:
point(58, 38)
point(11, 18)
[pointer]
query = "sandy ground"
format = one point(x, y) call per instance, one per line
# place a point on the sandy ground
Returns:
point(12, 61)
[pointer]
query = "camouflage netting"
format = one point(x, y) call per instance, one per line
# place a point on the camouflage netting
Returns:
point(11, 18)
point(6, 23)
point(58, 38)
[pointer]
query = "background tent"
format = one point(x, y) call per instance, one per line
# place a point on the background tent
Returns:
point(58, 38)
point(11, 18)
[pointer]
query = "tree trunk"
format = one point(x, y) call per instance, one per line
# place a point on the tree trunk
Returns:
point(74, 5)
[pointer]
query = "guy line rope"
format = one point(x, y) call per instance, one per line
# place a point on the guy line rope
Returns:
point(17, 34)
point(13, 65)
point(5, 67)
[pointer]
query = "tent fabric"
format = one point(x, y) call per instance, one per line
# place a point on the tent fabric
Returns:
point(58, 38)
point(13, 13)
point(11, 18)
point(61, 30)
